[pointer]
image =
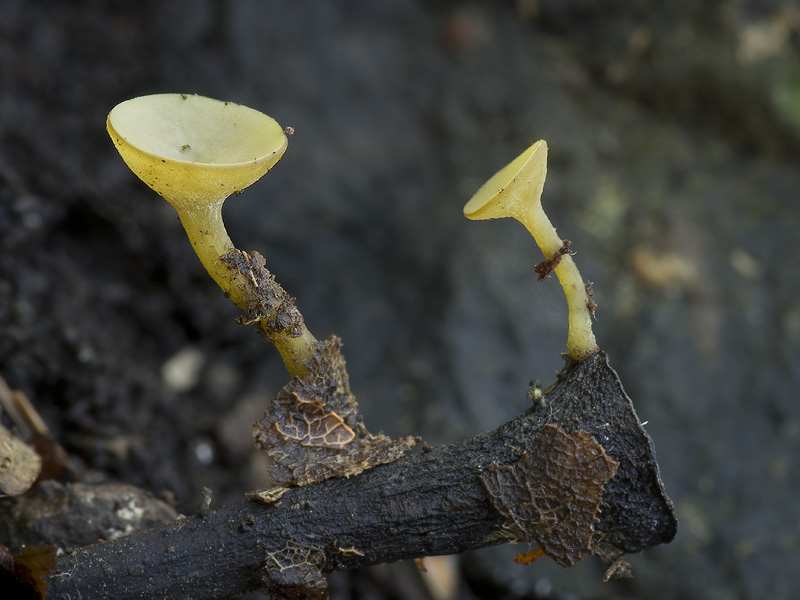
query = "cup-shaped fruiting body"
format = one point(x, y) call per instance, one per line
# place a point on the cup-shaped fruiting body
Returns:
point(516, 191)
point(195, 152)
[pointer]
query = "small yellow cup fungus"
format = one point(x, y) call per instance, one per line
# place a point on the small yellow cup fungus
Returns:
point(195, 152)
point(516, 191)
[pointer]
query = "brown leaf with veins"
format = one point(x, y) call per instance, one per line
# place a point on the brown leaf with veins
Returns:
point(313, 429)
point(311, 425)
point(552, 494)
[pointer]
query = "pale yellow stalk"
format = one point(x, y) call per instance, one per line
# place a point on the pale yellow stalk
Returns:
point(195, 152)
point(515, 191)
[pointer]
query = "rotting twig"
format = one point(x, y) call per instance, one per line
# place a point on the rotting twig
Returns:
point(430, 503)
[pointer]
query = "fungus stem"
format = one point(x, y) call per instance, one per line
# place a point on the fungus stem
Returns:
point(209, 238)
point(515, 191)
point(195, 152)
point(581, 343)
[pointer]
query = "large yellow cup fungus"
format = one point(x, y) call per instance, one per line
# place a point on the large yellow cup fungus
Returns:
point(195, 152)
point(516, 191)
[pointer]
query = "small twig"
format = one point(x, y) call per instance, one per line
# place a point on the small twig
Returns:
point(547, 266)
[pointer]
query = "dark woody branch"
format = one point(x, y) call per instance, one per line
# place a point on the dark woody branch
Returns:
point(600, 494)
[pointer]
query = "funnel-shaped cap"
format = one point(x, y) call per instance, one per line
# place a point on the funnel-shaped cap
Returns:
point(512, 190)
point(192, 148)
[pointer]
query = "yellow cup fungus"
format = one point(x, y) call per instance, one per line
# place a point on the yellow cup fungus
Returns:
point(195, 152)
point(516, 191)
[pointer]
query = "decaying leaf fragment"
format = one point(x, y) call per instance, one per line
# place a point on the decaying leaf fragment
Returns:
point(269, 495)
point(552, 494)
point(313, 429)
point(313, 425)
point(25, 575)
point(19, 464)
point(295, 571)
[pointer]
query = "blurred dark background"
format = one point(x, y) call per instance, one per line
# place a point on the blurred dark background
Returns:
point(674, 134)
